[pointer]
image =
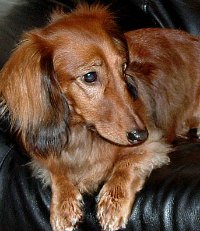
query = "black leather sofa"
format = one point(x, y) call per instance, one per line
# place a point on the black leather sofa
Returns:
point(170, 199)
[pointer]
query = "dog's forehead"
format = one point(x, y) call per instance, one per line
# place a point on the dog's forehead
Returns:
point(80, 30)
point(77, 41)
point(80, 55)
point(86, 42)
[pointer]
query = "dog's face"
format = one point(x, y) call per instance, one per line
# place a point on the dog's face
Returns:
point(90, 66)
point(78, 60)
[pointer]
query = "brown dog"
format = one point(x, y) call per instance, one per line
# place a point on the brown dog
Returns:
point(164, 65)
point(64, 91)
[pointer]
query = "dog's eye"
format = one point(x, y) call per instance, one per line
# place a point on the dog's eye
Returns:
point(90, 77)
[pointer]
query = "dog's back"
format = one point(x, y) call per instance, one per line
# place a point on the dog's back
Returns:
point(165, 64)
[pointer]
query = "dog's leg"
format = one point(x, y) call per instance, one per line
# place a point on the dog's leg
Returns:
point(66, 201)
point(116, 198)
point(66, 204)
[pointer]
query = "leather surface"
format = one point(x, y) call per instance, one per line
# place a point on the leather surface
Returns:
point(178, 14)
point(17, 16)
point(170, 199)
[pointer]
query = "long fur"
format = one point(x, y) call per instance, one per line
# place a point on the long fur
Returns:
point(76, 130)
point(164, 65)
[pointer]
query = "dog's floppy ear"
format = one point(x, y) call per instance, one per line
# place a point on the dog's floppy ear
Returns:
point(31, 96)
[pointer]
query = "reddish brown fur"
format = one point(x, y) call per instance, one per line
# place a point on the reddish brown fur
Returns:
point(165, 66)
point(74, 131)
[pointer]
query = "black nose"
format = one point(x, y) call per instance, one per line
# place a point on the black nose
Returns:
point(137, 136)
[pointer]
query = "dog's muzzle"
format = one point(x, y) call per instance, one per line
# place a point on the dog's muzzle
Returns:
point(137, 136)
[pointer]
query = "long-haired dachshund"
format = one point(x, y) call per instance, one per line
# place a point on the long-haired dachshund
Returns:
point(67, 97)
point(164, 67)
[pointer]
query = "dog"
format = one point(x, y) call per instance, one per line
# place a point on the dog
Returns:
point(76, 112)
point(164, 66)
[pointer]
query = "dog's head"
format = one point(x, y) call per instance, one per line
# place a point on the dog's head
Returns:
point(71, 72)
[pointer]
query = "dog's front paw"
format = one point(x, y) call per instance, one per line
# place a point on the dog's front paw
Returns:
point(66, 213)
point(114, 207)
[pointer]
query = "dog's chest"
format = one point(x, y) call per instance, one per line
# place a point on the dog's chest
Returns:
point(89, 163)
